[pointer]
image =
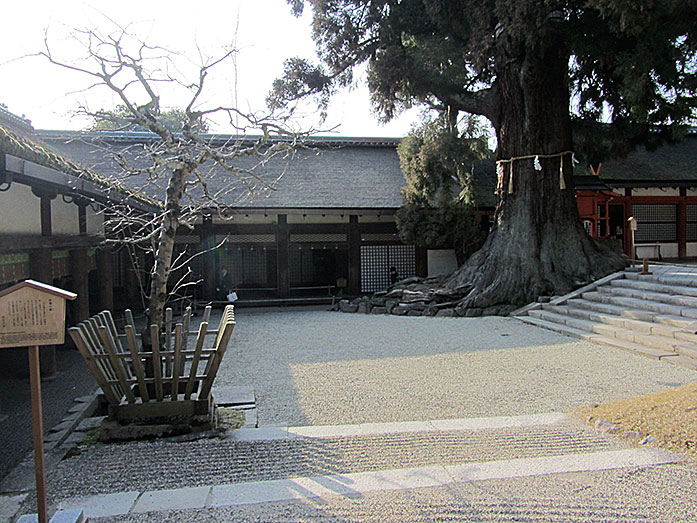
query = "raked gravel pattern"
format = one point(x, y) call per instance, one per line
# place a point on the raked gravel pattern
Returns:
point(318, 367)
point(651, 495)
point(165, 464)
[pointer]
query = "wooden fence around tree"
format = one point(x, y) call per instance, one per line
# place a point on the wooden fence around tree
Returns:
point(179, 369)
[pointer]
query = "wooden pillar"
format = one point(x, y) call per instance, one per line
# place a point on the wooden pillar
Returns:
point(282, 244)
point(105, 275)
point(354, 247)
point(207, 243)
point(628, 247)
point(682, 224)
point(421, 254)
point(41, 269)
point(79, 270)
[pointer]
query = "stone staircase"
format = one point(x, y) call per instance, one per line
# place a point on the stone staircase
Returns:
point(650, 314)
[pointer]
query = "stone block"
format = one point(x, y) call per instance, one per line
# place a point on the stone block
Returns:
point(399, 310)
point(378, 310)
point(88, 424)
point(445, 313)
point(389, 305)
point(430, 311)
point(233, 396)
point(414, 313)
point(473, 312)
point(364, 307)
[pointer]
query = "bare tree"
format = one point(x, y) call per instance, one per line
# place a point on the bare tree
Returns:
point(179, 163)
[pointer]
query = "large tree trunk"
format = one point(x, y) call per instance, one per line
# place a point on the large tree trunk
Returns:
point(538, 245)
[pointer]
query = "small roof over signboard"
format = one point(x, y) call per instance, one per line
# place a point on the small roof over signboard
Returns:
point(61, 293)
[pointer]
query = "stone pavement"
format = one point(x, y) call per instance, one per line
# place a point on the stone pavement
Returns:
point(379, 418)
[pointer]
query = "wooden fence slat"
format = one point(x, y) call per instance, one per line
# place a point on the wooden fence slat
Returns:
point(197, 356)
point(116, 364)
point(91, 332)
point(80, 340)
point(108, 322)
point(207, 314)
point(176, 368)
point(129, 318)
point(168, 340)
point(214, 361)
point(137, 364)
point(156, 360)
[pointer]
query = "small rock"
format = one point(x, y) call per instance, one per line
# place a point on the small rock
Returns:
point(647, 440)
point(606, 426)
point(430, 311)
point(378, 310)
point(364, 307)
point(633, 434)
point(445, 313)
point(473, 312)
point(399, 310)
point(389, 305)
point(414, 313)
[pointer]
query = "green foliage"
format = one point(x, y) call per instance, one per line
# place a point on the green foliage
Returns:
point(631, 63)
point(121, 119)
point(438, 160)
point(450, 226)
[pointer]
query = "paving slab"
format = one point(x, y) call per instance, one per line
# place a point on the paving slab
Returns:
point(103, 505)
point(172, 499)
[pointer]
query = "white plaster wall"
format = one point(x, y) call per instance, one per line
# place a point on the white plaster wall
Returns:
point(691, 192)
point(20, 211)
point(95, 222)
point(668, 250)
point(64, 217)
point(656, 191)
point(691, 249)
point(245, 219)
point(318, 218)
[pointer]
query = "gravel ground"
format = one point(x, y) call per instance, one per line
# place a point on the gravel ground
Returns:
point(318, 367)
point(624, 496)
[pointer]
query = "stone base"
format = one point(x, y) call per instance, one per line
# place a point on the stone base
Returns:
point(114, 431)
point(62, 516)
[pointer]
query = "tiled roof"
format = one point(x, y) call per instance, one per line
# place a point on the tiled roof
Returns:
point(325, 172)
point(17, 138)
point(668, 164)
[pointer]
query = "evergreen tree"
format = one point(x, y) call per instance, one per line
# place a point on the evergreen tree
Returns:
point(533, 68)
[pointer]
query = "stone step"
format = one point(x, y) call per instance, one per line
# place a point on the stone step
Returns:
point(655, 287)
point(618, 343)
point(639, 304)
point(672, 280)
point(622, 322)
point(667, 319)
point(687, 349)
point(670, 299)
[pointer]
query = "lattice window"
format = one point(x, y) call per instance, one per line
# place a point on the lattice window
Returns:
point(655, 222)
point(246, 238)
point(318, 238)
point(13, 267)
point(301, 267)
point(691, 223)
point(248, 266)
point(376, 261)
point(61, 263)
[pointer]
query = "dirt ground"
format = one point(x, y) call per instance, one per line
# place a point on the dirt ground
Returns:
point(669, 416)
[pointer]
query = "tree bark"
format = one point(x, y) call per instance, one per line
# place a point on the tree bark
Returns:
point(165, 248)
point(538, 245)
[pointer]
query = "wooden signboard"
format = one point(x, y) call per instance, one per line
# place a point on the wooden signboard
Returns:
point(32, 313)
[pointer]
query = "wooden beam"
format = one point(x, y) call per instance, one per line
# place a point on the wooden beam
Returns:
point(354, 240)
point(79, 271)
point(26, 242)
point(282, 239)
point(105, 275)
point(682, 224)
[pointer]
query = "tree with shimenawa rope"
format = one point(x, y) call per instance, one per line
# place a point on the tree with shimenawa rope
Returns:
point(547, 75)
point(177, 163)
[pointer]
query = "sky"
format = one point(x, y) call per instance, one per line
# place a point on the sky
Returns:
point(263, 31)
